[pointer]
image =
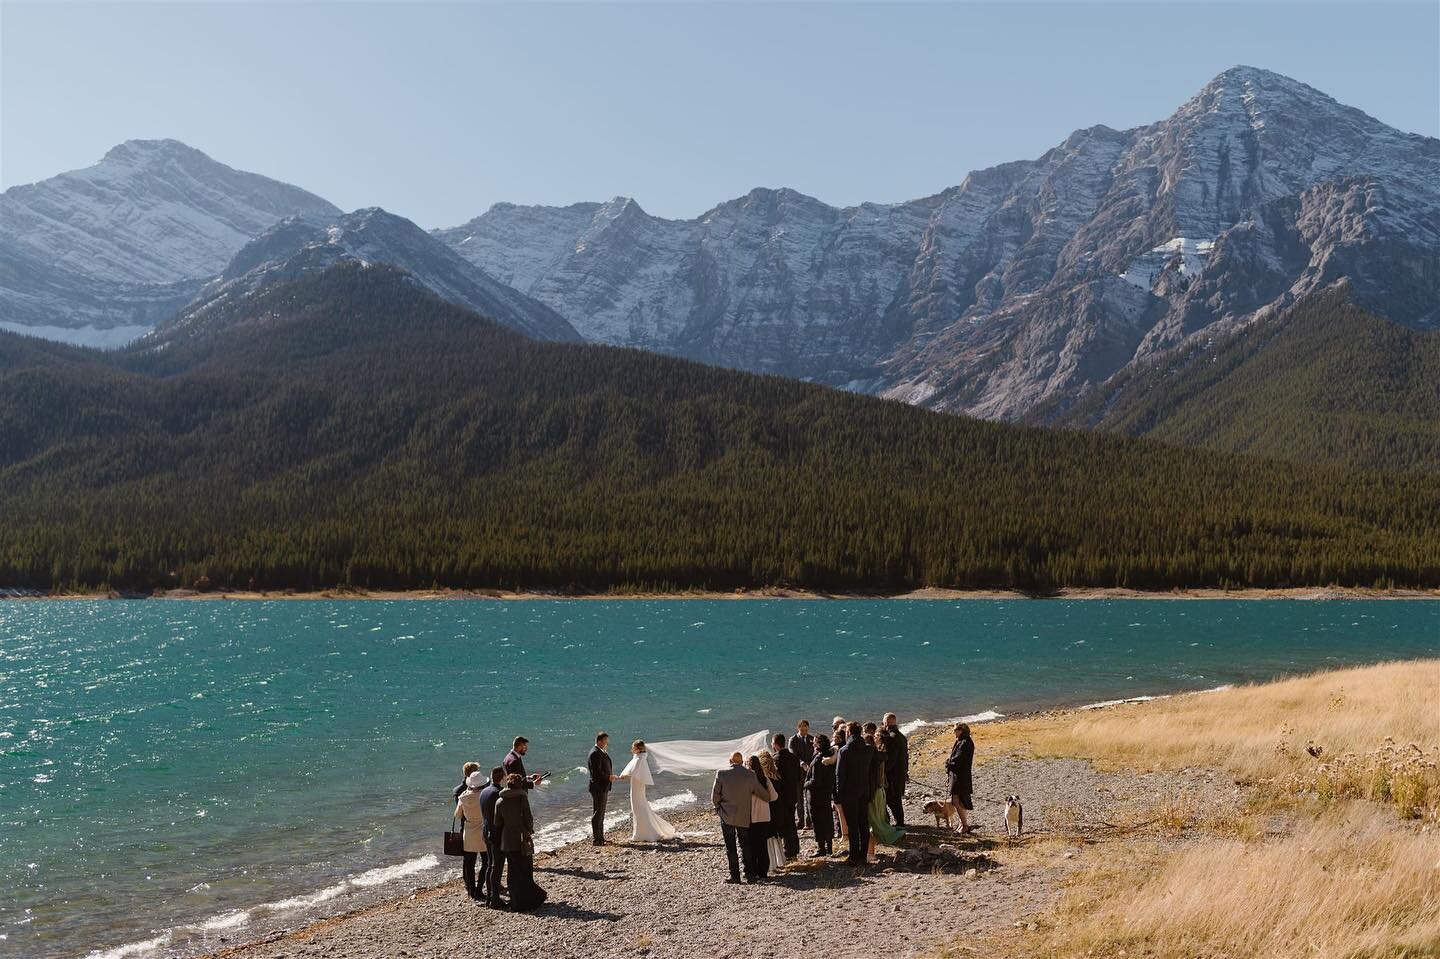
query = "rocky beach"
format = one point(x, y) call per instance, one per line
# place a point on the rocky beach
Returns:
point(934, 891)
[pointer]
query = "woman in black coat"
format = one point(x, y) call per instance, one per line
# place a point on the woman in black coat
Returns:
point(962, 757)
point(515, 829)
point(820, 785)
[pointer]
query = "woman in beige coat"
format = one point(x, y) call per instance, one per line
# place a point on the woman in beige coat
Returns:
point(761, 828)
point(467, 810)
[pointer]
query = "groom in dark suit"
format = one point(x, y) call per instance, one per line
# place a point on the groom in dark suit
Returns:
point(602, 776)
point(852, 791)
point(792, 781)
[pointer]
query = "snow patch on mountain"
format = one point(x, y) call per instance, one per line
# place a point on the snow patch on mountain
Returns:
point(1184, 255)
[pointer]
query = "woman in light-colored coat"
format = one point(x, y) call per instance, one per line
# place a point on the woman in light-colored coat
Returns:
point(467, 810)
point(761, 829)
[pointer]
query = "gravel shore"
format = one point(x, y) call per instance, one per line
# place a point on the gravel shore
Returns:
point(671, 900)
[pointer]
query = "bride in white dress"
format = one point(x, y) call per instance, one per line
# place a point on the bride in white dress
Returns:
point(645, 825)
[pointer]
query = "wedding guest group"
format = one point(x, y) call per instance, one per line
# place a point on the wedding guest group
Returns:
point(849, 785)
point(857, 779)
point(499, 832)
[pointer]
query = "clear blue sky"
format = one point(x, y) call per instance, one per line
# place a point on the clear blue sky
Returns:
point(435, 111)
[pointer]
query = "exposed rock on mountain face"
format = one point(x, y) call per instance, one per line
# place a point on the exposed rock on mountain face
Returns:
point(299, 245)
point(100, 254)
point(773, 281)
point(1029, 283)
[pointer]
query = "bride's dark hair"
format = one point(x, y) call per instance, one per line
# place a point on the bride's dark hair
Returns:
point(638, 745)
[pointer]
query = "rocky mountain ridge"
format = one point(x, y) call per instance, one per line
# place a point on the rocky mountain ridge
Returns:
point(299, 245)
point(101, 254)
point(1029, 281)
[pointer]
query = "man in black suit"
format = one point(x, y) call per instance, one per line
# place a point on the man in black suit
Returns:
point(897, 768)
point(602, 776)
point(792, 781)
point(515, 763)
point(492, 864)
point(852, 791)
point(802, 744)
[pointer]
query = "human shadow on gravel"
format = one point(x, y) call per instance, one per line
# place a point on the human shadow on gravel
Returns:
point(917, 836)
point(837, 877)
point(581, 873)
point(564, 910)
point(673, 845)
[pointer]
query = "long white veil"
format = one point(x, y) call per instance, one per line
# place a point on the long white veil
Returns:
point(702, 757)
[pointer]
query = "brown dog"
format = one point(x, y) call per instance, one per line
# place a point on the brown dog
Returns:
point(941, 809)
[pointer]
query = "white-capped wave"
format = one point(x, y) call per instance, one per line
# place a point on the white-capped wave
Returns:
point(240, 917)
point(307, 902)
point(131, 948)
point(683, 798)
point(227, 920)
point(1107, 703)
point(1145, 699)
point(988, 716)
point(562, 832)
point(384, 874)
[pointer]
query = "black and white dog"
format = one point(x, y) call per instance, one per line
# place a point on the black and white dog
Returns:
point(1014, 816)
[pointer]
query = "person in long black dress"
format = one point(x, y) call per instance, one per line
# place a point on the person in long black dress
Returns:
point(515, 827)
point(820, 785)
point(962, 758)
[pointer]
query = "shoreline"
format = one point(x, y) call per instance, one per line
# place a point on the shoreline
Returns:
point(212, 937)
point(1299, 594)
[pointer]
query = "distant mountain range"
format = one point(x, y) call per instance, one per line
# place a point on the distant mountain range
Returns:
point(1039, 290)
point(156, 232)
point(1029, 282)
point(347, 427)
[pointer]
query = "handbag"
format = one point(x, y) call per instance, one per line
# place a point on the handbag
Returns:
point(454, 841)
point(527, 845)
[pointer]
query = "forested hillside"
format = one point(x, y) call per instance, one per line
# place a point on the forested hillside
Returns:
point(1326, 382)
point(352, 429)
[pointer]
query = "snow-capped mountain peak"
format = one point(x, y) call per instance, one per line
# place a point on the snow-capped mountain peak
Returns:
point(305, 243)
point(1030, 280)
point(100, 254)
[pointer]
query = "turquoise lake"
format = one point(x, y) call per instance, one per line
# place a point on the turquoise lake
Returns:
point(171, 772)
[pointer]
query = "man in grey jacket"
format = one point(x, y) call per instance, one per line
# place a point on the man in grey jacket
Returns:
point(734, 787)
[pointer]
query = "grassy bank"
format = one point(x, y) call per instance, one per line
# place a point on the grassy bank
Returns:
point(1332, 848)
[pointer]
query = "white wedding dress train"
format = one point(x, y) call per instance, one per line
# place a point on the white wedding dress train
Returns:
point(645, 824)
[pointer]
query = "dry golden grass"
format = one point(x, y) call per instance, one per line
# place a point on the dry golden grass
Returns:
point(1342, 877)
point(1342, 886)
point(1376, 731)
